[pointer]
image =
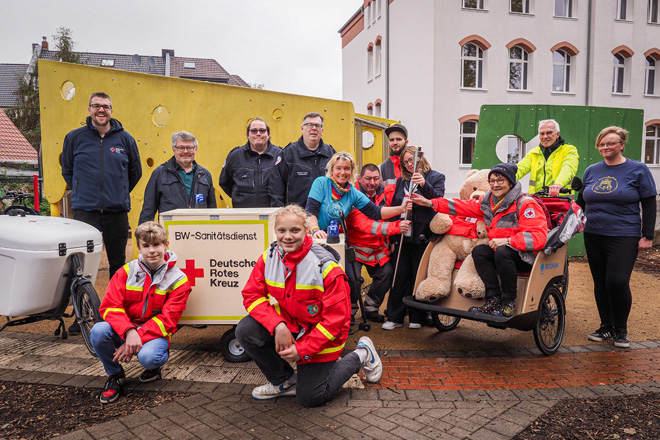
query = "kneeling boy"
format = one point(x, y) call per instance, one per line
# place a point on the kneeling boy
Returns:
point(141, 308)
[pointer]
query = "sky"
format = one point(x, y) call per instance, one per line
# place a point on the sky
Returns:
point(290, 46)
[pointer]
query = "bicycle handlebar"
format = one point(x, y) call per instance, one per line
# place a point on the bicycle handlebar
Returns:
point(17, 195)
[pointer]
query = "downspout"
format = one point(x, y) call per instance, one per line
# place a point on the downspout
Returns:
point(387, 59)
point(588, 76)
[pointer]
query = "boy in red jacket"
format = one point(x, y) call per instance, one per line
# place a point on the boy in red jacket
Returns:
point(141, 308)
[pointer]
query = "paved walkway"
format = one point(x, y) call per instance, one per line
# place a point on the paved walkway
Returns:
point(430, 394)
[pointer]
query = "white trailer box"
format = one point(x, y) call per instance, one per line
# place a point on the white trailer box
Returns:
point(35, 259)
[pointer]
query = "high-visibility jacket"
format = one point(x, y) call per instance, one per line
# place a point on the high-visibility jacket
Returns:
point(559, 169)
point(518, 217)
point(390, 170)
point(312, 294)
point(369, 237)
point(150, 303)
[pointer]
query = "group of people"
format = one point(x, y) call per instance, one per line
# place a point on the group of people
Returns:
point(388, 209)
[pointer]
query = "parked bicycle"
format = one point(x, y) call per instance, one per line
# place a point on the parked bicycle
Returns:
point(18, 205)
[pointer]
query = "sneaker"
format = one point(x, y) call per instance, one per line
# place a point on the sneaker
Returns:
point(112, 389)
point(270, 391)
point(151, 375)
point(621, 339)
point(602, 334)
point(391, 325)
point(507, 308)
point(491, 304)
point(414, 325)
point(372, 366)
point(375, 317)
point(74, 329)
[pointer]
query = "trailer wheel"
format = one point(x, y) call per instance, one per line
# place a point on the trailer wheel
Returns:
point(550, 321)
point(444, 323)
point(231, 349)
point(87, 303)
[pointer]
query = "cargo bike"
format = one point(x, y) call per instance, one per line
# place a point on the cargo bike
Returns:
point(540, 304)
point(46, 265)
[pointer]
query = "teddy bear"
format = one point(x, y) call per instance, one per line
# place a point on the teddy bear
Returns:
point(461, 236)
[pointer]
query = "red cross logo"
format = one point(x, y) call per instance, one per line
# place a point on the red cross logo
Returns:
point(191, 272)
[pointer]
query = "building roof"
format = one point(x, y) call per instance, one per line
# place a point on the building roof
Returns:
point(9, 76)
point(13, 145)
point(133, 63)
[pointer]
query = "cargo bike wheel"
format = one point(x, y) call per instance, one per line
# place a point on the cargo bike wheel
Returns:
point(550, 321)
point(86, 308)
point(444, 323)
point(231, 349)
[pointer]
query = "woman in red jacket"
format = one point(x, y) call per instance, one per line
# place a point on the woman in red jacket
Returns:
point(517, 228)
point(309, 323)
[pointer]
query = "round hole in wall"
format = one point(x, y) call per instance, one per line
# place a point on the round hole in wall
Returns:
point(150, 162)
point(160, 116)
point(277, 114)
point(68, 90)
point(367, 140)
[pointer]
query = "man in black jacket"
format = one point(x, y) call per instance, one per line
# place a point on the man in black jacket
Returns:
point(249, 170)
point(300, 163)
point(101, 166)
point(180, 182)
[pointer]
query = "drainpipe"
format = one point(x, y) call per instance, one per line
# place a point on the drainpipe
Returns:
point(588, 76)
point(387, 59)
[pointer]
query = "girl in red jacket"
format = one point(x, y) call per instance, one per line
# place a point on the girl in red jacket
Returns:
point(517, 228)
point(309, 322)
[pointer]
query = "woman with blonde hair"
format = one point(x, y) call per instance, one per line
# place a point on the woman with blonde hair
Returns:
point(612, 193)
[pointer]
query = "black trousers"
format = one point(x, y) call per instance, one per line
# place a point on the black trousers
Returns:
point(505, 262)
point(114, 227)
point(611, 260)
point(381, 277)
point(411, 257)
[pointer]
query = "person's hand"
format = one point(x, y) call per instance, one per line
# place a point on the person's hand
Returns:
point(132, 345)
point(320, 234)
point(645, 243)
point(122, 355)
point(553, 190)
point(283, 337)
point(497, 242)
point(418, 179)
point(405, 226)
point(290, 354)
point(406, 205)
point(419, 199)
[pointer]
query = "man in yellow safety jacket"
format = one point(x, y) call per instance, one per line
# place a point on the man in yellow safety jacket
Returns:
point(554, 163)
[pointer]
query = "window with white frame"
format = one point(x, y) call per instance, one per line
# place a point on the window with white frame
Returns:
point(624, 9)
point(380, 10)
point(377, 109)
point(653, 16)
point(377, 60)
point(520, 6)
point(652, 147)
point(619, 73)
point(518, 68)
point(473, 4)
point(373, 12)
point(472, 66)
point(370, 64)
point(561, 71)
point(564, 8)
point(650, 76)
point(468, 139)
point(367, 14)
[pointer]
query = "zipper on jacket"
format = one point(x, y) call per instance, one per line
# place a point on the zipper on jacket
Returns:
point(257, 180)
point(101, 182)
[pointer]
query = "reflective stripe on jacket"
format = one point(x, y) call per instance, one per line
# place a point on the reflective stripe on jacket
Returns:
point(312, 294)
point(390, 170)
point(560, 168)
point(153, 306)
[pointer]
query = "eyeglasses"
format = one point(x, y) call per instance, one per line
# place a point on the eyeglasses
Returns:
point(258, 130)
point(498, 182)
point(409, 161)
point(101, 106)
point(310, 125)
point(607, 144)
point(180, 149)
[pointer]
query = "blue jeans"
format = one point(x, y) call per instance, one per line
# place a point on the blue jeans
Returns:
point(106, 341)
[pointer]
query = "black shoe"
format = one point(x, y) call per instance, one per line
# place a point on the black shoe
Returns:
point(151, 375)
point(375, 317)
point(506, 308)
point(112, 389)
point(492, 303)
point(74, 329)
point(197, 325)
point(621, 339)
point(602, 334)
point(428, 320)
point(350, 331)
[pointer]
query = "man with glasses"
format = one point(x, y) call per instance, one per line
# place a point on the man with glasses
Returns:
point(554, 163)
point(301, 162)
point(249, 170)
point(397, 138)
point(180, 182)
